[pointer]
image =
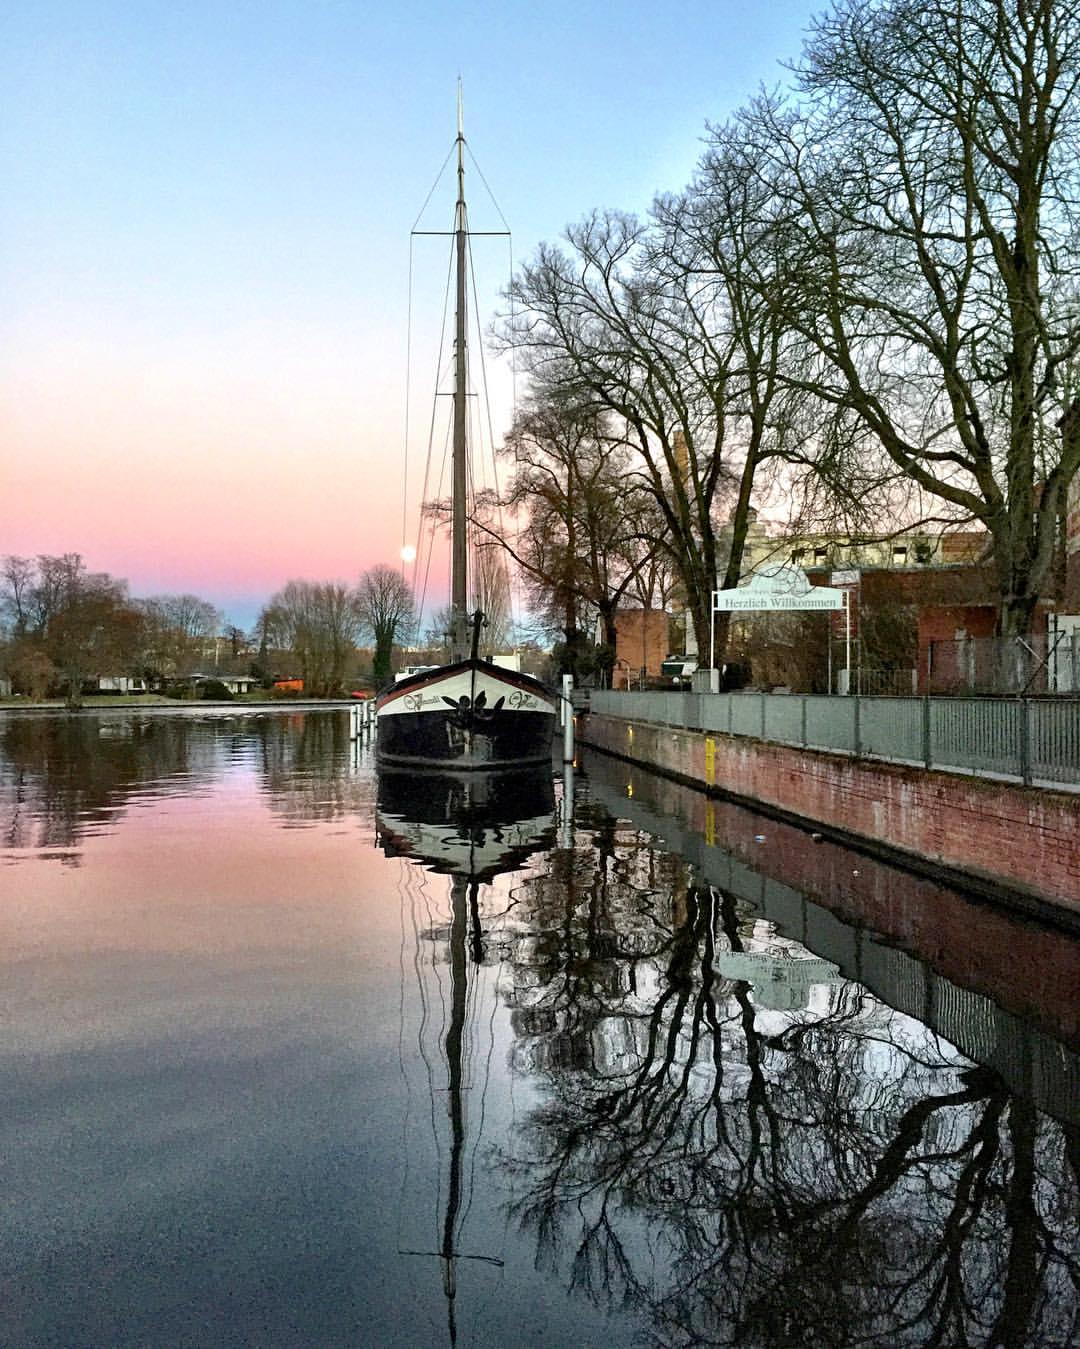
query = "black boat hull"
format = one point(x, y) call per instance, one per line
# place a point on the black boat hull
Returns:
point(471, 714)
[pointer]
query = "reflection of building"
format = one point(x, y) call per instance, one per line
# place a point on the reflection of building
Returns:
point(780, 982)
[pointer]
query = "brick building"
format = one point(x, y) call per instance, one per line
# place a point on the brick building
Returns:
point(641, 643)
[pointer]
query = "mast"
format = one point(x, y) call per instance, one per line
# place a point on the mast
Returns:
point(459, 638)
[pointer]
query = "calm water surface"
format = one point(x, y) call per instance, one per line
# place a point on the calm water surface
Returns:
point(294, 1056)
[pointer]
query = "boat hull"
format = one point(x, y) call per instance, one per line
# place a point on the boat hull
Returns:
point(463, 716)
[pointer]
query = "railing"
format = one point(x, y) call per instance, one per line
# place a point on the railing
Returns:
point(1038, 663)
point(1033, 741)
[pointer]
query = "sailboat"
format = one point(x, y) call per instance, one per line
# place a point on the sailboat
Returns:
point(469, 713)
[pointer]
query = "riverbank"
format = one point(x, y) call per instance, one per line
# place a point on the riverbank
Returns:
point(152, 702)
point(1013, 845)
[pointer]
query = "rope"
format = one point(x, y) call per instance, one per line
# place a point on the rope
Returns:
point(491, 436)
point(435, 184)
point(408, 398)
point(419, 604)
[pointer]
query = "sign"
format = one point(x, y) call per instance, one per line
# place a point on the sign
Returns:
point(780, 588)
point(847, 580)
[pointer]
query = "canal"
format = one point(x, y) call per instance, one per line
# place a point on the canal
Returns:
point(292, 1054)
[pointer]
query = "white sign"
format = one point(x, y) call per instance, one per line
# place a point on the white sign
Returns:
point(779, 588)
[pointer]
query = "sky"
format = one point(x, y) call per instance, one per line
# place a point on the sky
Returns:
point(206, 326)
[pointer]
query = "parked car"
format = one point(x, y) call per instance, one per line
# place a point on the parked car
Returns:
point(679, 669)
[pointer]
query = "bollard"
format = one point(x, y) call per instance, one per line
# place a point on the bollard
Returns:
point(568, 718)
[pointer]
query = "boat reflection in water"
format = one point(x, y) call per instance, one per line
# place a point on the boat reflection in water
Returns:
point(473, 827)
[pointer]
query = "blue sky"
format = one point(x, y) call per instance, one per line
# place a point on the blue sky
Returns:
point(204, 246)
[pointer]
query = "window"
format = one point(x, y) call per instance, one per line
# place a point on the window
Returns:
point(899, 554)
point(798, 556)
point(820, 554)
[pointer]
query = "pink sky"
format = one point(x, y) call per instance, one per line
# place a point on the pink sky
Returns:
point(204, 248)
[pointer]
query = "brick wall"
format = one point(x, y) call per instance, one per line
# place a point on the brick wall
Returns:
point(641, 641)
point(1023, 837)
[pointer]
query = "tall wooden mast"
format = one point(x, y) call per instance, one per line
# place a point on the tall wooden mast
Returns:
point(459, 637)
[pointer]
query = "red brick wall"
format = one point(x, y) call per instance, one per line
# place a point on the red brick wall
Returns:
point(942, 625)
point(1021, 836)
point(641, 640)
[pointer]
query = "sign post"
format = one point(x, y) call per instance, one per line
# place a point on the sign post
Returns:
point(781, 590)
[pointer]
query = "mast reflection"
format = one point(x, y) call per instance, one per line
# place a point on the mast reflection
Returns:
point(472, 827)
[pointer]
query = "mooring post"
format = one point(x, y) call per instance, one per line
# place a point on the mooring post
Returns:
point(568, 805)
point(568, 718)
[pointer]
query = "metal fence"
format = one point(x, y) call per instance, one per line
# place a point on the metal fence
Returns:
point(1039, 663)
point(1028, 740)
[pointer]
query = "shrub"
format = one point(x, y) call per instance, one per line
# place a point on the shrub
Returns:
point(215, 690)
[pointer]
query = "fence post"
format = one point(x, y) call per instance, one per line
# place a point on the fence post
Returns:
point(1025, 741)
point(858, 726)
point(928, 758)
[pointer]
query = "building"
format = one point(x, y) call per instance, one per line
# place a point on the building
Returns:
point(641, 643)
point(838, 551)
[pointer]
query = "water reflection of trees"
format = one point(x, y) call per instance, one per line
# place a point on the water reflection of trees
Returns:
point(64, 777)
point(832, 1175)
point(304, 761)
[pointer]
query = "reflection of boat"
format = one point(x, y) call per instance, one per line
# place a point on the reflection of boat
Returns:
point(472, 826)
point(469, 713)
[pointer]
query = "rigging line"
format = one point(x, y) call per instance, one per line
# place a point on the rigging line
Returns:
point(422, 599)
point(490, 428)
point(477, 439)
point(483, 1094)
point(480, 175)
point(516, 607)
point(417, 893)
point(429, 915)
point(402, 889)
point(408, 397)
point(431, 427)
point(483, 374)
point(438, 381)
point(435, 184)
point(432, 526)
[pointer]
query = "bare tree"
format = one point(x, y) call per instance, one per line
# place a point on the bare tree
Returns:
point(605, 326)
point(491, 594)
point(587, 527)
point(924, 195)
point(17, 575)
point(180, 630)
point(319, 623)
point(384, 604)
point(81, 621)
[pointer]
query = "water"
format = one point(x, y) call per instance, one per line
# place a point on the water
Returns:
point(293, 1056)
